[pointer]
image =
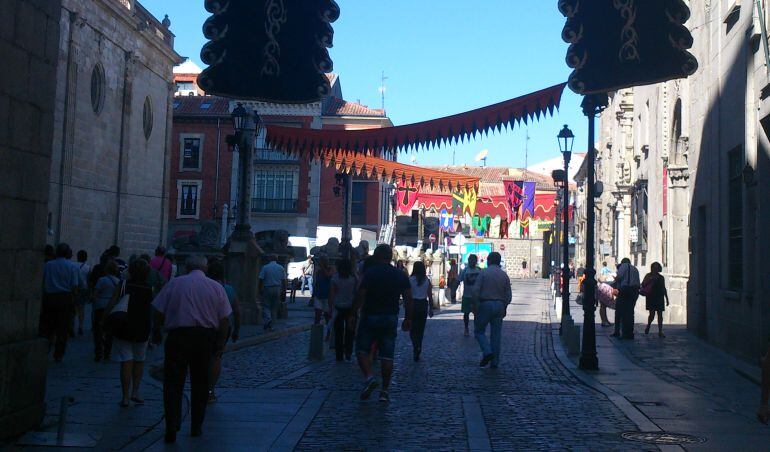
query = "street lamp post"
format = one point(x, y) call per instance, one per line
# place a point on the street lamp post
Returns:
point(566, 142)
point(242, 252)
point(592, 105)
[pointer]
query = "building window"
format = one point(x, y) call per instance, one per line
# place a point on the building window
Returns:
point(276, 189)
point(263, 153)
point(97, 88)
point(735, 222)
point(147, 118)
point(190, 158)
point(189, 196)
point(358, 205)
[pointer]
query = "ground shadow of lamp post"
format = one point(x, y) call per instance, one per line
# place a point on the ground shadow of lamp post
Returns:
point(566, 142)
point(242, 252)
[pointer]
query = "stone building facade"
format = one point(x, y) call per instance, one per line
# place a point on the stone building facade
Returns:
point(109, 168)
point(682, 165)
point(29, 45)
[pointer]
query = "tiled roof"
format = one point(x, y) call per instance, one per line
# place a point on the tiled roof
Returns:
point(495, 175)
point(201, 106)
point(340, 107)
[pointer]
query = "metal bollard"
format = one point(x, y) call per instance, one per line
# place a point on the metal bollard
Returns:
point(316, 352)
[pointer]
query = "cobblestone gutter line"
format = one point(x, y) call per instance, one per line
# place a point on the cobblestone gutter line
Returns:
point(643, 423)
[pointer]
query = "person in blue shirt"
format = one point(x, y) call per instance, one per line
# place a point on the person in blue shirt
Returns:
point(61, 284)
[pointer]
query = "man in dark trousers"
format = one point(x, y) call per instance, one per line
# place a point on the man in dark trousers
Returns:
point(627, 283)
point(195, 312)
point(61, 283)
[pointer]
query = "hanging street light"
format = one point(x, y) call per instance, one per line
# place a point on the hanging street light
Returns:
point(245, 124)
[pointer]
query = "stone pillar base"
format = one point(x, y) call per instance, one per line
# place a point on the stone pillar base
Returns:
point(23, 368)
point(242, 265)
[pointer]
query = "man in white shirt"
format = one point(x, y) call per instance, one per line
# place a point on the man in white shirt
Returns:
point(272, 285)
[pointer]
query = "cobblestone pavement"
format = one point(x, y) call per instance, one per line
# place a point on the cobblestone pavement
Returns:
point(530, 403)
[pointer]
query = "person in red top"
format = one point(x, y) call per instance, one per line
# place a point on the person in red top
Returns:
point(162, 263)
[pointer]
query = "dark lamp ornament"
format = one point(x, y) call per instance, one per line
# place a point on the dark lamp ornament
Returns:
point(566, 140)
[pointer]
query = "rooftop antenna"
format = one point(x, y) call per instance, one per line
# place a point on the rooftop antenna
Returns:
point(482, 157)
point(383, 89)
point(413, 159)
point(526, 154)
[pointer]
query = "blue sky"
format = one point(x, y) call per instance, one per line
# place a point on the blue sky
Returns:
point(440, 58)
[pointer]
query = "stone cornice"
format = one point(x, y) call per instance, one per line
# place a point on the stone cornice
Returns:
point(679, 176)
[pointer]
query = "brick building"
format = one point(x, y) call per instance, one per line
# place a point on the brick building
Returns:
point(289, 193)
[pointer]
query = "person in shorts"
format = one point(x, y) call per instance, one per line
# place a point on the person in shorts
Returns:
point(129, 343)
point(381, 288)
point(468, 278)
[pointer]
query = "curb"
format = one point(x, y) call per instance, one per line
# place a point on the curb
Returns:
point(262, 338)
point(642, 422)
point(155, 370)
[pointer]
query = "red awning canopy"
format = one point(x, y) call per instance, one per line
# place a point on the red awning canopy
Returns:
point(390, 171)
point(429, 133)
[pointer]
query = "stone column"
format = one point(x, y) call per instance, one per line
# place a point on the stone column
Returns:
point(679, 256)
point(242, 265)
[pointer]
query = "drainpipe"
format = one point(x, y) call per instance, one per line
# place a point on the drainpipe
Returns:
point(216, 184)
point(122, 148)
point(65, 135)
point(763, 31)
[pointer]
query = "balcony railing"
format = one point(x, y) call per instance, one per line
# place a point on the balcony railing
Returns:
point(270, 205)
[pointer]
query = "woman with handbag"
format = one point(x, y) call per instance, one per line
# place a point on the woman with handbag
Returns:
point(654, 290)
point(131, 303)
point(104, 289)
point(422, 307)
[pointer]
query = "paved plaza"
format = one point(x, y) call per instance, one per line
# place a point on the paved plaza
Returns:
point(272, 397)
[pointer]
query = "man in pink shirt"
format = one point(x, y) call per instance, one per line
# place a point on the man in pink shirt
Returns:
point(194, 310)
point(161, 263)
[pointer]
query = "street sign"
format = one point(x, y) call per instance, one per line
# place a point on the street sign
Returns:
point(433, 238)
point(502, 247)
point(634, 234)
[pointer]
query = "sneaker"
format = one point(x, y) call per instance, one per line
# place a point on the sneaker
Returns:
point(369, 386)
point(486, 360)
point(647, 330)
point(384, 397)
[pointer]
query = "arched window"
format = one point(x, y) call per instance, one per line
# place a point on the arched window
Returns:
point(147, 117)
point(97, 88)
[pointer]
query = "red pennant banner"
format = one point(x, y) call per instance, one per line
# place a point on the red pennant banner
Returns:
point(451, 129)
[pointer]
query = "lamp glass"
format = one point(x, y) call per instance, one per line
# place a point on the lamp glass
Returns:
point(240, 116)
point(566, 139)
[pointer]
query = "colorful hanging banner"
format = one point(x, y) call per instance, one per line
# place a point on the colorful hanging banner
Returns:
point(528, 202)
point(514, 192)
point(406, 197)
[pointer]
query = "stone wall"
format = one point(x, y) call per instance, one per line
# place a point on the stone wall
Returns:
point(29, 36)
point(108, 171)
point(520, 251)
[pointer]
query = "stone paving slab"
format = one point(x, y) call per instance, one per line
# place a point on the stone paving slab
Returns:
point(680, 384)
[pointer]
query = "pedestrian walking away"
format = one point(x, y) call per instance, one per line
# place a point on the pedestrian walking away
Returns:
point(84, 293)
point(491, 300)
point(61, 285)
point(452, 281)
point(627, 284)
point(341, 297)
point(422, 307)
point(377, 298)
point(468, 278)
point(103, 291)
point(307, 276)
point(162, 263)
point(216, 271)
point(272, 287)
point(322, 279)
point(654, 290)
point(195, 312)
point(130, 339)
